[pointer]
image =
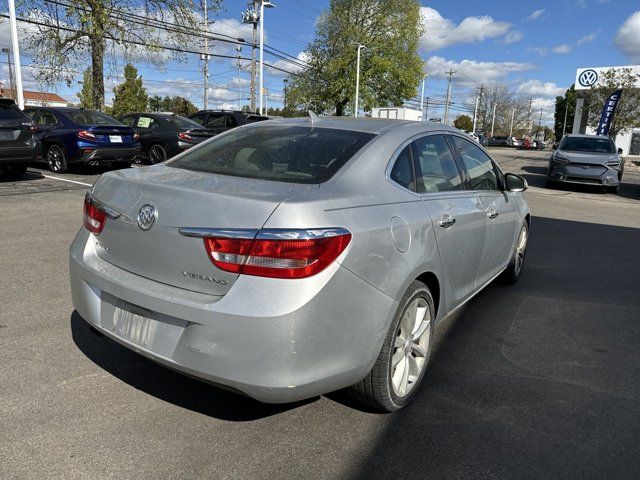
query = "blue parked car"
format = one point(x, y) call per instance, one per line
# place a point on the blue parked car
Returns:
point(70, 136)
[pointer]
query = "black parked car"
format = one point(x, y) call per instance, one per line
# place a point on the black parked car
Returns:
point(70, 135)
point(164, 135)
point(223, 120)
point(501, 142)
point(17, 142)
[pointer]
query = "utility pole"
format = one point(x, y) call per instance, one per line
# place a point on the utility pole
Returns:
point(493, 120)
point(355, 110)
point(284, 99)
point(566, 112)
point(11, 84)
point(424, 80)
point(529, 124)
point(426, 111)
point(252, 16)
point(475, 111)
point(238, 54)
point(513, 114)
point(263, 4)
point(540, 125)
point(16, 53)
point(450, 74)
point(205, 56)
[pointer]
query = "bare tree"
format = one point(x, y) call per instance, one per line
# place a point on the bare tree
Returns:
point(506, 101)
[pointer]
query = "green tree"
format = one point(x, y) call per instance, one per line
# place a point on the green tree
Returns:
point(627, 113)
point(178, 105)
point(86, 93)
point(99, 31)
point(155, 103)
point(390, 68)
point(566, 104)
point(463, 122)
point(130, 95)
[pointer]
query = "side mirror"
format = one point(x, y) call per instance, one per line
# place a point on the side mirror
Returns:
point(554, 146)
point(515, 183)
point(620, 151)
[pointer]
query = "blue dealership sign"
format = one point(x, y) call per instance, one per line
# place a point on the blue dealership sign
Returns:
point(607, 113)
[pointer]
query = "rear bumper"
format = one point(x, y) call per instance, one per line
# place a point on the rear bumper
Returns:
point(277, 341)
point(109, 155)
point(17, 155)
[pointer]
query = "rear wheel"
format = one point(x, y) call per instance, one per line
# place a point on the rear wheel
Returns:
point(157, 154)
point(512, 273)
point(402, 362)
point(56, 159)
point(13, 171)
point(614, 190)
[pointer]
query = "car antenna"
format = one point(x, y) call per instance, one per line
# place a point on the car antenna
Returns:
point(313, 117)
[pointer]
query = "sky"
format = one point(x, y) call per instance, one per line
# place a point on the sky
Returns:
point(534, 46)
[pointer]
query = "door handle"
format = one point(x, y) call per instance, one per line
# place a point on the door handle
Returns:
point(447, 222)
point(492, 214)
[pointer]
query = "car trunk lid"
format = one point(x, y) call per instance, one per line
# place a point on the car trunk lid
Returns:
point(181, 199)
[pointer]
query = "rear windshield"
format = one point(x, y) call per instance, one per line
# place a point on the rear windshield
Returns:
point(597, 145)
point(9, 111)
point(90, 117)
point(182, 122)
point(282, 153)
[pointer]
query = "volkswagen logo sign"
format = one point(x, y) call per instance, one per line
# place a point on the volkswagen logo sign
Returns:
point(588, 78)
point(147, 216)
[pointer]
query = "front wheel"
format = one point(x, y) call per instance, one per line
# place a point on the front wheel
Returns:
point(402, 362)
point(512, 273)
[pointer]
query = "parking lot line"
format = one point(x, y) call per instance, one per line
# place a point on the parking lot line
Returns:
point(61, 179)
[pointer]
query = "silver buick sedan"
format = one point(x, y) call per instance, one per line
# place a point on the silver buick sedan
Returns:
point(291, 258)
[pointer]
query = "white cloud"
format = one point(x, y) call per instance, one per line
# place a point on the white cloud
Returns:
point(588, 38)
point(542, 51)
point(473, 72)
point(562, 49)
point(628, 38)
point(288, 66)
point(513, 37)
point(441, 32)
point(536, 87)
point(548, 107)
point(537, 14)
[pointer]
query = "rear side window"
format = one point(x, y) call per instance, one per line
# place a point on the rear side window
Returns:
point(146, 122)
point(402, 171)
point(8, 111)
point(478, 164)
point(282, 153)
point(436, 169)
point(47, 119)
point(215, 121)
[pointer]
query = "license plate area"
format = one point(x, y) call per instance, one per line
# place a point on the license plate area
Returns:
point(9, 135)
point(115, 138)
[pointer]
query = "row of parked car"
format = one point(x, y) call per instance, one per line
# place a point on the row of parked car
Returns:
point(67, 136)
point(513, 142)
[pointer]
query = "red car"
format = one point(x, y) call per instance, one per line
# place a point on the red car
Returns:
point(526, 144)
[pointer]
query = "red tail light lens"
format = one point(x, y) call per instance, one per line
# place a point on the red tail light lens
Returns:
point(279, 254)
point(86, 135)
point(184, 136)
point(93, 216)
point(136, 137)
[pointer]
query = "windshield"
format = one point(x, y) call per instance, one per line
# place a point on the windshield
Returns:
point(283, 153)
point(182, 122)
point(90, 117)
point(584, 144)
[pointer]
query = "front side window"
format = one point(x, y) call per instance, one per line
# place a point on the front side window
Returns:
point(283, 153)
point(436, 169)
point(216, 121)
point(402, 171)
point(478, 164)
point(199, 118)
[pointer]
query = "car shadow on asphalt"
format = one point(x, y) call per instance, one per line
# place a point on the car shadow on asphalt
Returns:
point(166, 384)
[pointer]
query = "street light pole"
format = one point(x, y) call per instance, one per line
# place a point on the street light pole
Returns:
point(355, 110)
point(16, 53)
point(263, 4)
point(513, 113)
point(566, 112)
point(475, 110)
point(11, 85)
point(424, 80)
point(493, 119)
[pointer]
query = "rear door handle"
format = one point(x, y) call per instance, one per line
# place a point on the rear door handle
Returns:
point(447, 222)
point(492, 214)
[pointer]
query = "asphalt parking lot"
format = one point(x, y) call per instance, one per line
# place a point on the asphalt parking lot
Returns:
point(536, 380)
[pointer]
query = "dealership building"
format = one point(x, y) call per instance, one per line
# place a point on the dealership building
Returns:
point(628, 141)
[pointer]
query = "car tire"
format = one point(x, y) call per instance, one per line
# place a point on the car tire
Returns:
point(13, 171)
point(512, 274)
point(614, 190)
point(157, 154)
point(56, 159)
point(386, 388)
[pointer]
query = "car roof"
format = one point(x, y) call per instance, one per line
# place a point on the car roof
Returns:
point(366, 124)
point(571, 135)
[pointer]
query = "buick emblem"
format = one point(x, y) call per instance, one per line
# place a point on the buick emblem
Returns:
point(147, 216)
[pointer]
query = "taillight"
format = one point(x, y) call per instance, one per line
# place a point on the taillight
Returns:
point(184, 136)
point(136, 137)
point(33, 128)
point(279, 253)
point(86, 135)
point(93, 216)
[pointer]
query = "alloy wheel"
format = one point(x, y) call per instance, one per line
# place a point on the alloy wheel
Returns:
point(157, 154)
point(411, 347)
point(55, 158)
point(521, 248)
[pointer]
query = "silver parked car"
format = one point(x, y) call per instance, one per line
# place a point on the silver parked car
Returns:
point(290, 258)
point(586, 159)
